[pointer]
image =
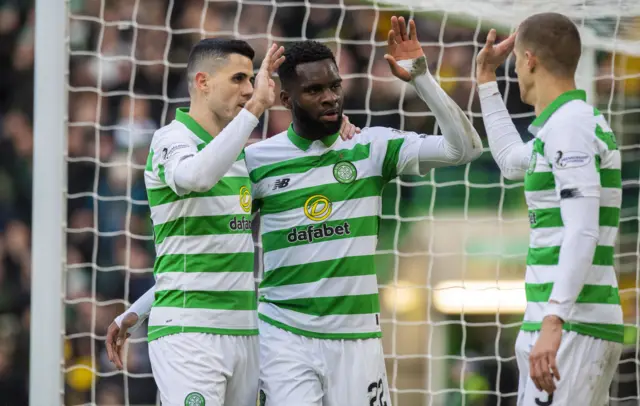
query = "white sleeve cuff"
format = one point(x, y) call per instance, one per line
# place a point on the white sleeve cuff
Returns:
point(560, 310)
point(488, 89)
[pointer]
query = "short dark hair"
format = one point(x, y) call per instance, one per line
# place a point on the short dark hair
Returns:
point(215, 48)
point(299, 53)
point(554, 39)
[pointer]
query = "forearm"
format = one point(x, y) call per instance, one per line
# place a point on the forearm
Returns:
point(580, 217)
point(461, 142)
point(203, 170)
point(507, 148)
point(141, 307)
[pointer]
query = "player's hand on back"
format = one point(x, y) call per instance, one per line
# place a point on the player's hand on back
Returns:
point(347, 129)
point(264, 91)
point(404, 45)
point(116, 336)
point(492, 56)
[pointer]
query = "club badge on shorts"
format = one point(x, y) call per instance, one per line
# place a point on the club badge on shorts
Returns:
point(194, 399)
point(345, 172)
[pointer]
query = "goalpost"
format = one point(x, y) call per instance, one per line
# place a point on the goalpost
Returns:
point(452, 243)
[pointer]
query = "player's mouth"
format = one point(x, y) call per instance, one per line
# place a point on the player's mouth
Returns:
point(330, 115)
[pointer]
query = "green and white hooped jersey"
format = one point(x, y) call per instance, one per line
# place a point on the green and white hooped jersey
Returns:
point(204, 247)
point(574, 154)
point(319, 214)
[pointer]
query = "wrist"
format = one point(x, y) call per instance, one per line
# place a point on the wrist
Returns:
point(255, 107)
point(486, 77)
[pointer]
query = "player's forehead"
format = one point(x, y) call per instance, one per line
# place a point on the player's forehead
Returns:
point(236, 63)
point(317, 73)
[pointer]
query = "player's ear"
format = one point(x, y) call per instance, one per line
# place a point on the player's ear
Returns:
point(285, 99)
point(200, 82)
point(532, 61)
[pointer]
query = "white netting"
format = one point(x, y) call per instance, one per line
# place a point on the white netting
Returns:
point(445, 345)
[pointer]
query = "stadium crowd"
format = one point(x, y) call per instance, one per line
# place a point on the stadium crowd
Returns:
point(126, 78)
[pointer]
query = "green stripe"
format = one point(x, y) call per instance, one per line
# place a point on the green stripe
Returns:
point(228, 186)
point(607, 137)
point(237, 262)
point(550, 255)
point(161, 173)
point(538, 181)
point(611, 178)
point(315, 271)
point(330, 305)
point(196, 299)
point(545, 218)
point(335, 192)
point(304, 164)
point(320, 232)
point(156, 332)
point(203, 225)
point(149, 166)
point(597, 294)
point(325, 336)
point(609, 332)
point(538, 146)
point(391, 158)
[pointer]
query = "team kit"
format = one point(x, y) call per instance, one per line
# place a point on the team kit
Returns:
point(311, 334)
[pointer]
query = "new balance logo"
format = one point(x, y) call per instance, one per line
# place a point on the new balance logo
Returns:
point(281, 183)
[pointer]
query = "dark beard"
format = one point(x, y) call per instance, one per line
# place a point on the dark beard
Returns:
point(313, 128)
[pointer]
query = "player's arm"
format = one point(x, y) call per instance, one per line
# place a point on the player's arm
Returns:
point(121, 328)
point(571, 149)
point(460, 142)
point(510, 153)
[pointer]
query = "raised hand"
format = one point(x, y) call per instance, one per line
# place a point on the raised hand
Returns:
point(264, 91)
point(402, 45)
point(492, 56)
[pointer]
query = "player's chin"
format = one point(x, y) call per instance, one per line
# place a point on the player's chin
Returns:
point(331, 122)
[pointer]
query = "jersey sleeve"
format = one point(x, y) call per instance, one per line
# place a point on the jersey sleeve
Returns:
point(168, 149)
point(572, 151)
point(401, 152)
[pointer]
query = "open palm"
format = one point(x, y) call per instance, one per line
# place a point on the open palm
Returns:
point(402, 45)
point(491, 56)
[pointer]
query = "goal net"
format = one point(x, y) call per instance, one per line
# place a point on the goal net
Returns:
point(452, 244)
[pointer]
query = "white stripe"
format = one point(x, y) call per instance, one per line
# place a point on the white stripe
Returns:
point(151, 181)
point(553, 236)
point(229, 319)
point(611, 160)
point(365, 168)
point(205, 281)
point(597, 275)
point(581, 312)
point(542, 165)
point(333, 324)
point(610, 197)
point(322, 251)
point(343, 210)
point(329, 287)
point(206, 244)
point(238, 169)
point(196, 207)
point(544, 199)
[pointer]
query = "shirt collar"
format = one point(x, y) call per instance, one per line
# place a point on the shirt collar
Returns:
point(182, 115)
point(561, 100)
point(304, 143)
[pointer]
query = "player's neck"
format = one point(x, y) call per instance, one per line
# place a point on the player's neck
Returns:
point(308, 132)
point(208, 121)
point(548, 89)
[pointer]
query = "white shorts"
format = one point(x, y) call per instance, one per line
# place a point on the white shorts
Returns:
point(586, 366)
point(197, 369)
point(302, 371)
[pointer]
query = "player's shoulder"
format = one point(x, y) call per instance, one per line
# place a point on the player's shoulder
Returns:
point(262, 152)
point(374, 134)
point(175, 131)
point(575, 115)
